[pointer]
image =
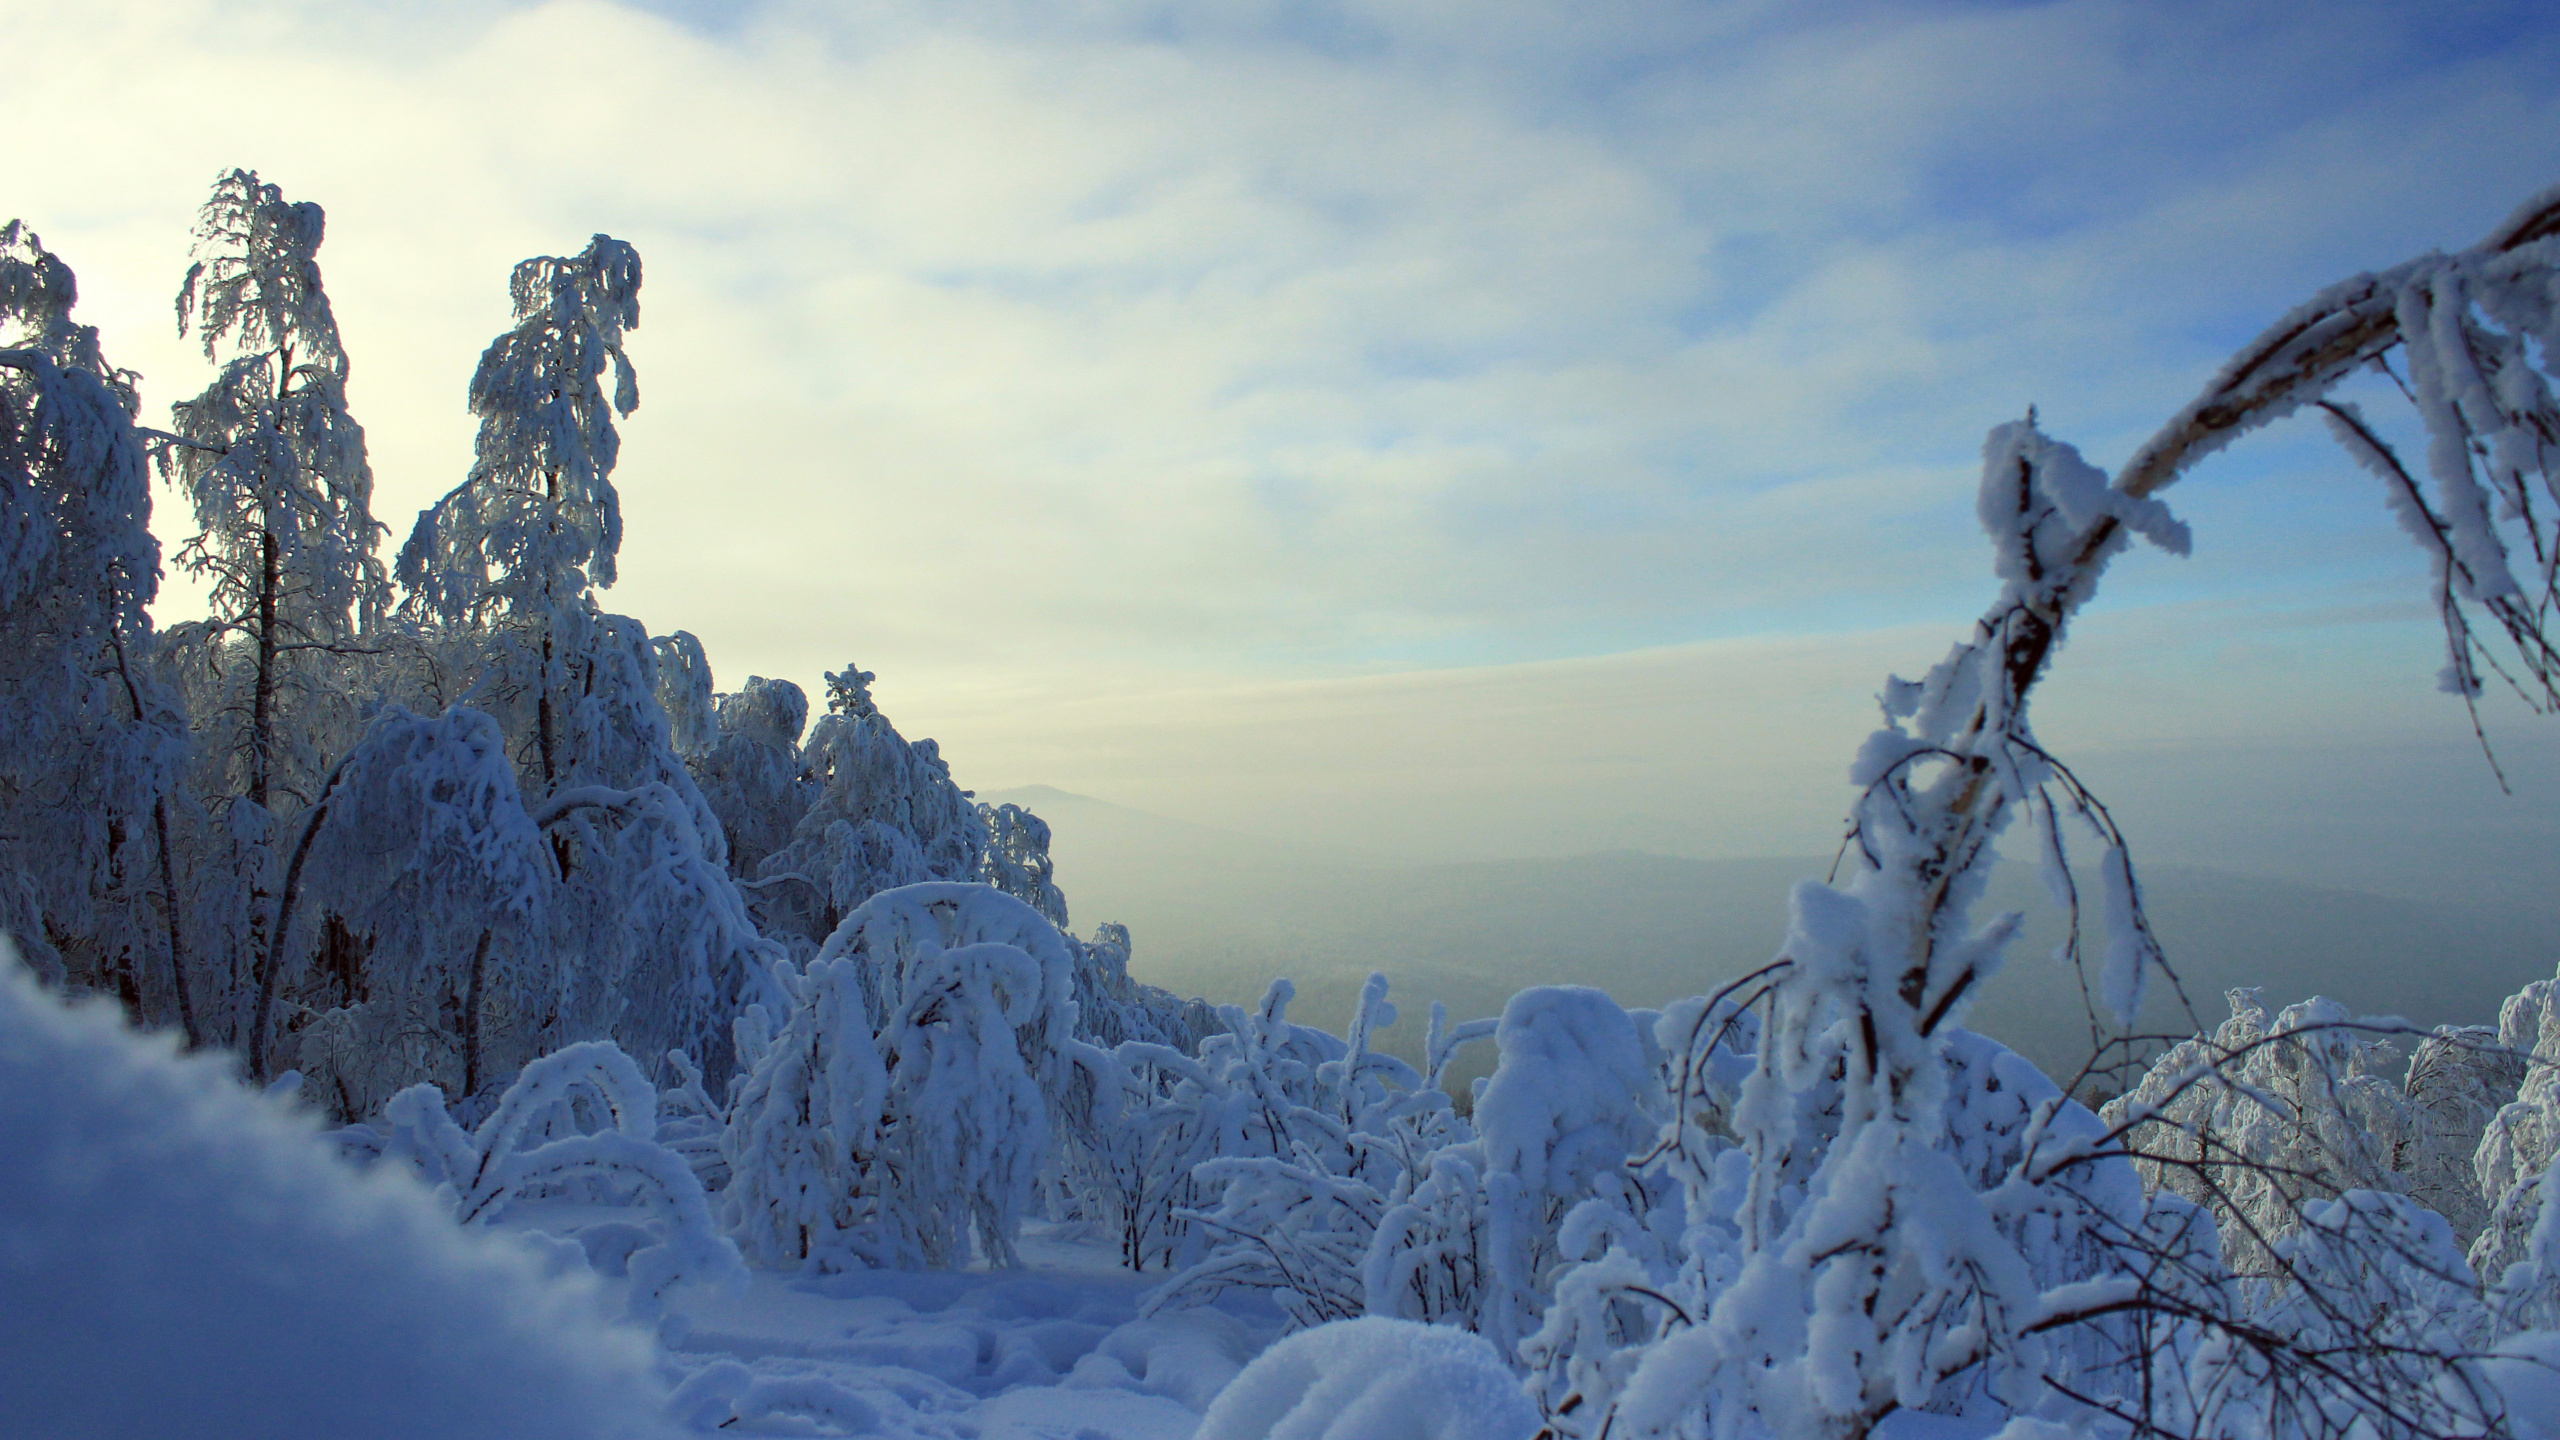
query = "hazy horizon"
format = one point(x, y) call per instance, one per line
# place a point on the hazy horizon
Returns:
point(1222, 912)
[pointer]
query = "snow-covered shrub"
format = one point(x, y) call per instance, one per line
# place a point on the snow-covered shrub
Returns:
point(1609, 1308)
point(1471, 1234)
point(1373, 1379)
point(691, 1123)
point(924, 1070)
point(804, 1125)
point(1133, 1180)
point(1313, 1132)
point(183, 1257)
point(578, 1122)
point(1196, 1086)
point(970, 1125)
point(1308, 1142)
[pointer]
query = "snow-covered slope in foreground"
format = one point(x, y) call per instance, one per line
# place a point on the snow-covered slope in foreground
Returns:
point(179, 1256)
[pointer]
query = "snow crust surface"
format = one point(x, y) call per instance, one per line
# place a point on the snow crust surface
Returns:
point(180, 1256)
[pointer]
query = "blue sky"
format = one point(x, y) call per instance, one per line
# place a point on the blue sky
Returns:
point(1169, 401)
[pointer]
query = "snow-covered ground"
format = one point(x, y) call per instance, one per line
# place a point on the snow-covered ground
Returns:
point(1054, 1350)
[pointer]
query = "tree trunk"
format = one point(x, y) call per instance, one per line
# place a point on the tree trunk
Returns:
point(284, 929)
point(471, 1018)
point(177, 935)
point(262, 719)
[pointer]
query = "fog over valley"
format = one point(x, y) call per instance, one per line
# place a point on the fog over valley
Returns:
point(1221, 912)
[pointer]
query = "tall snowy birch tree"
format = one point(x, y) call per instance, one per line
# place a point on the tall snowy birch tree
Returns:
point(275, 468)
point(650, 933)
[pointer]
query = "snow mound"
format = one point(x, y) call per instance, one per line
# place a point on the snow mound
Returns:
point(182, 1257)
point(1373, 1379)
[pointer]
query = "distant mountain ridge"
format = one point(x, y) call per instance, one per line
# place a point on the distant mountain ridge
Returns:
point(1219, 913)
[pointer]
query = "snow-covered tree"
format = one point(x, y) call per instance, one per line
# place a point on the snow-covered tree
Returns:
point(1016, 859)
point(2459, 1078)
point(2266, 1115)
point(1113, 1007)
point(2522, 1140)
point(684, 693)
point(653, 940)
point(90, 744)
point(750, 772)
point(659, 945)
point(516, 549)
point(885, 813)
point(275, 468)
point(419, 844)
